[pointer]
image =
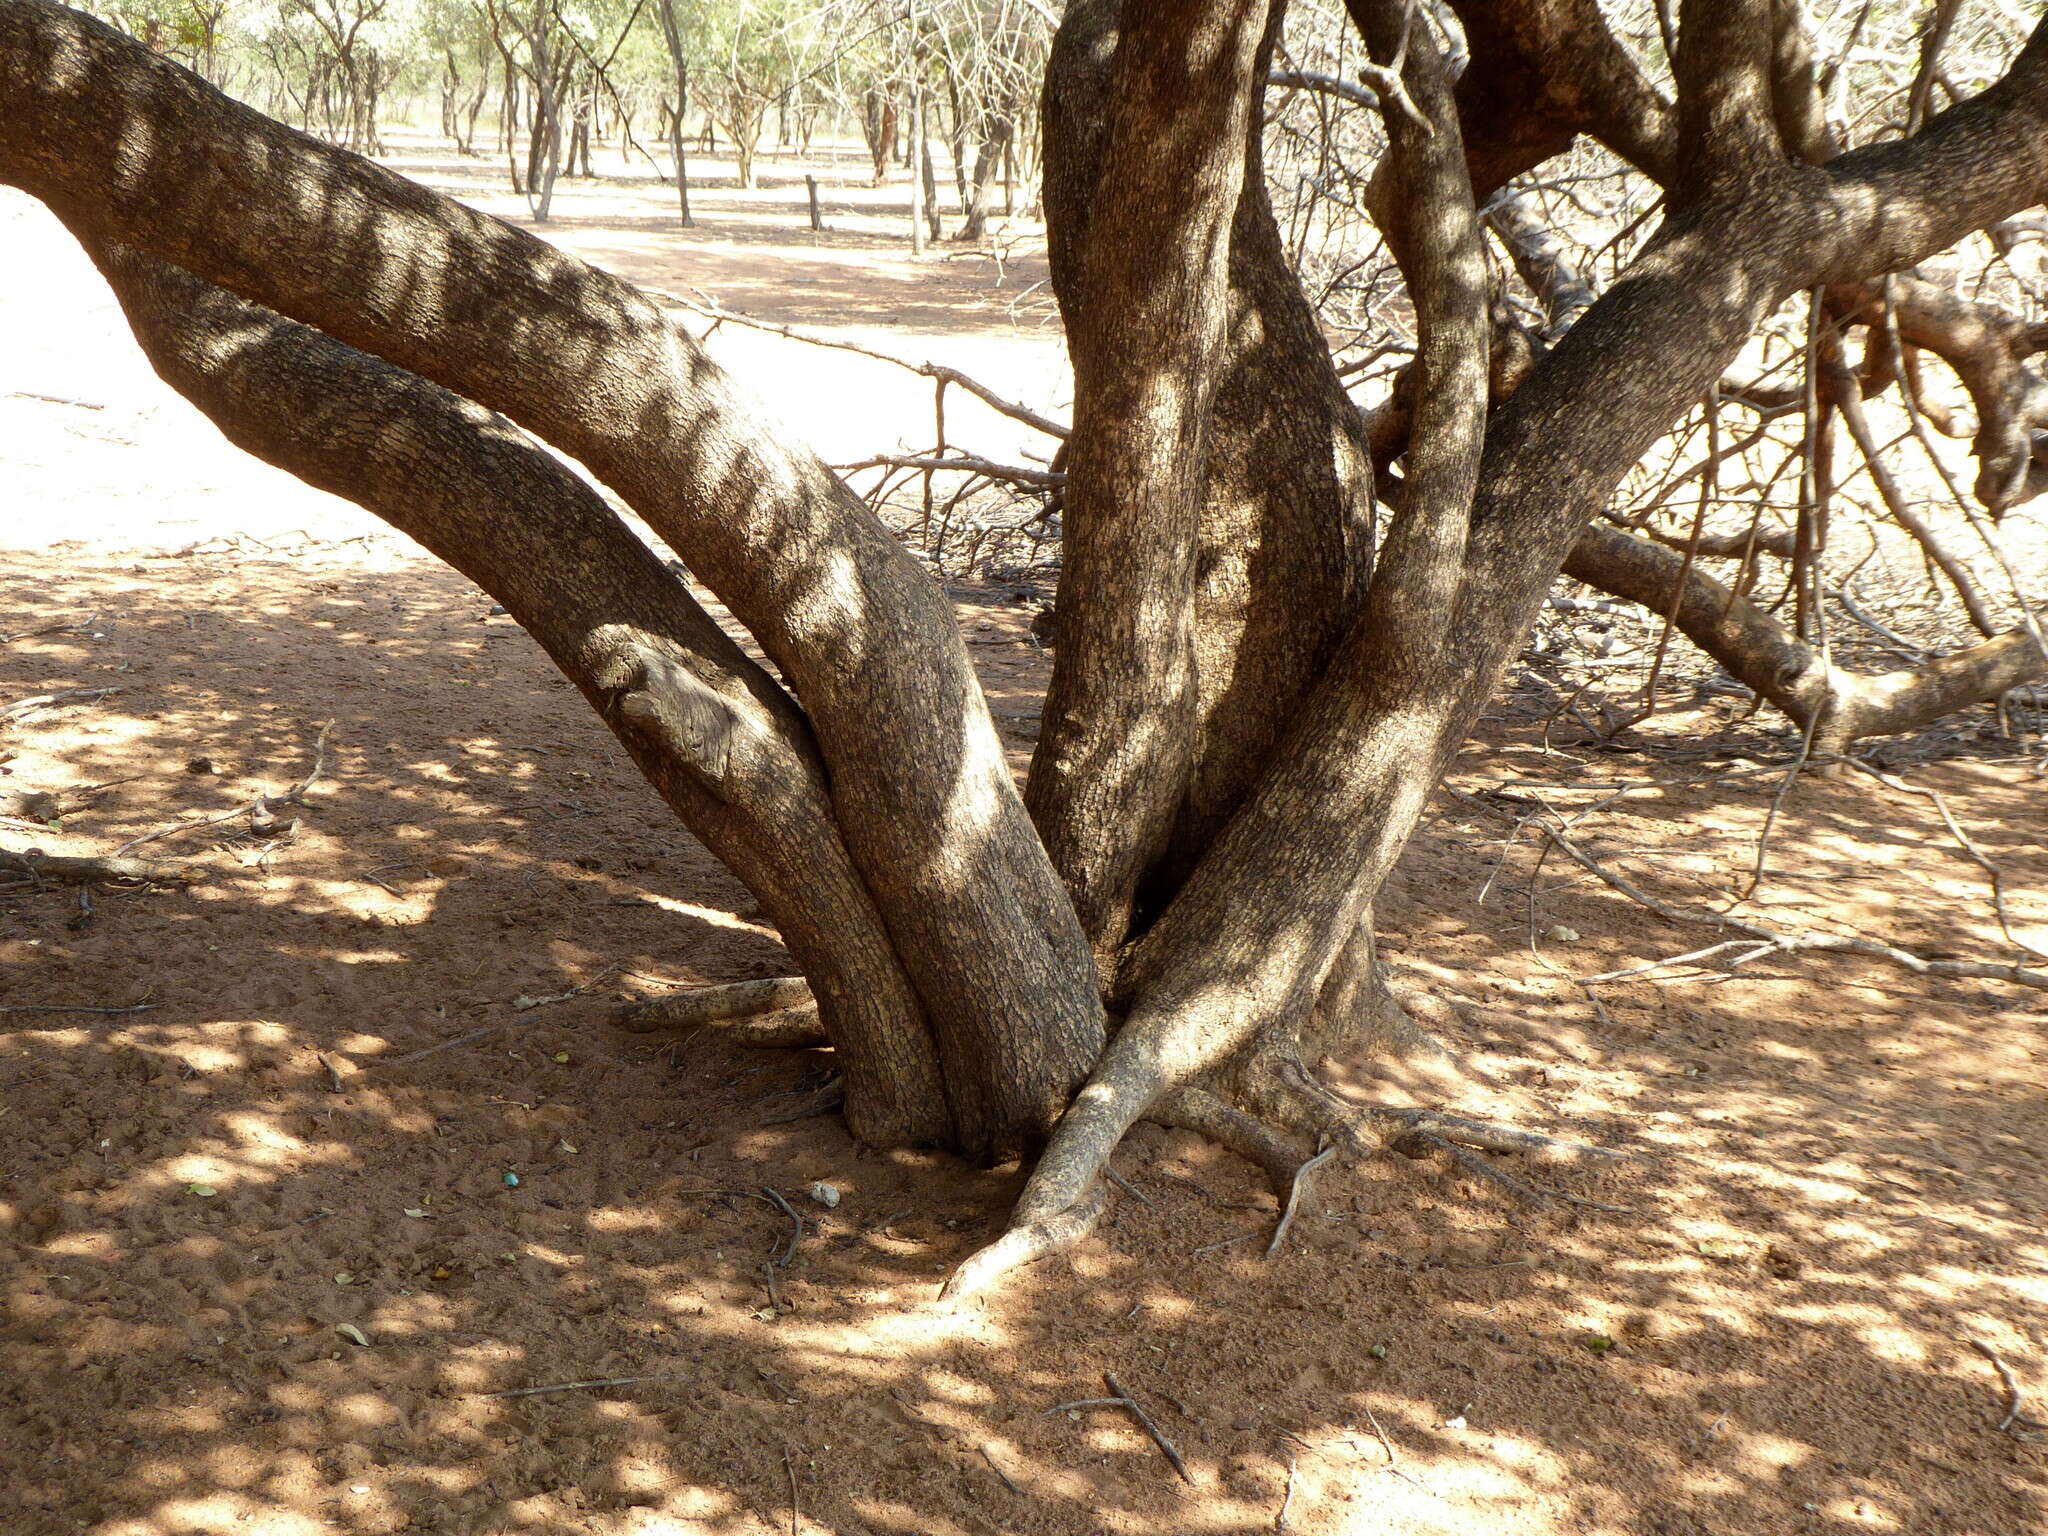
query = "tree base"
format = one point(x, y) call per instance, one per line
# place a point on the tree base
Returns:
point(1270, 1108)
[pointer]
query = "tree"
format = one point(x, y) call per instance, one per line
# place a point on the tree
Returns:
point(1267, 650)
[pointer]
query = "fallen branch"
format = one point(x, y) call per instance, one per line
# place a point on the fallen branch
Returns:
point(1123, 1395)
point(36, 701)
point(435, 1050)
point(1009, 1482)
point(1970, 848)
point(69, 866)
point(256, 809)
point(573, 1386)
point(1771, 938)
point(30, 394)
point(75, 1008)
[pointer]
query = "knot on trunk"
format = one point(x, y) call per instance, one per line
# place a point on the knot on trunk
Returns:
point(685, 714)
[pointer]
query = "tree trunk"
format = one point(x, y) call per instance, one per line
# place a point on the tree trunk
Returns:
point(989, 158)
point(1242, 730)
point(917, 182)
point(672, 36)
point(919, 788)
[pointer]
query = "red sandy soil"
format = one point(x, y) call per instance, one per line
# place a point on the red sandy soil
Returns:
point(360, 1034)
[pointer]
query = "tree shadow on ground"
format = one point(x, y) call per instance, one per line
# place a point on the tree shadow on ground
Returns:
point(1838, 1185)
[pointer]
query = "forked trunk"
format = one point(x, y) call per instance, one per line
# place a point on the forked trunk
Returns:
point(1249, 709)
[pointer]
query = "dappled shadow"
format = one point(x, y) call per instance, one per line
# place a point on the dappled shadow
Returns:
point(1839, 1180)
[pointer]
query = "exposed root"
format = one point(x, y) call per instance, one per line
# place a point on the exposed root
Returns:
point(1419, 1132)
point(1280, 1153)
point(736, 1007)
point(1296, 1113)
point(1490, 1137)
point(1065, 1195)
point(1026, 1242)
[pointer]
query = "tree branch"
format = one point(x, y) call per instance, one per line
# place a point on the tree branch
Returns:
point(131, 149)
point(711, 730)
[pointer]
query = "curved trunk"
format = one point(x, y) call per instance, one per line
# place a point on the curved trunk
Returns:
point(725, 746)
point(920, 790)
point(1218, 668)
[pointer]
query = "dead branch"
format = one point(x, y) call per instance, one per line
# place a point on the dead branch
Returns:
point(1326, 85)
point(1123, 1396)
point(1774, 939)
point(68, 866)
point(76, 1008)
point(256, 810)
point(711, 309)
point(573, 1386)
point(1302, 1176)
point(1037, 479)
point(1970, 849)
point(2012, 1387)
point(34, 702)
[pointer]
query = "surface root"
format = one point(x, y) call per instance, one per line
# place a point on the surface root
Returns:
point(1298, 1116)
point(774, 1011)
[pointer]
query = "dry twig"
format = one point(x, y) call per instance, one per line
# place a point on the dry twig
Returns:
point(75, 1008)
point(572, 1386)
point(2012, 1387)
point(1159, 1439)
point(295, 795)
point(1302, 1175)
point(1771, 938)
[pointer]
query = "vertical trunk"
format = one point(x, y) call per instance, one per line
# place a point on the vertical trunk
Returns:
point(956, 136)
point(743, 152)
point(1146, 308)
point(931, 187)
point(917, 193)
point(512, 115)
point(672, 36)
point(1283, 537)
point(988, 163)
point(882, 140)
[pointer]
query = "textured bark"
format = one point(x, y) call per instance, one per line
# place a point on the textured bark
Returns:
point(1543, 72)
point(720, 740)
point(1192, 384)
point(1234, 963)
point(1145, 307)
point(131, 149)
point(1284, 534)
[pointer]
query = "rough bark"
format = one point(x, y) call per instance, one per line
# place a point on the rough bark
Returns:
point(1162, 257)
point(1233, 963)
point(1283, 540)
point(1146, 333)
point(131, 149)
point(721, 741)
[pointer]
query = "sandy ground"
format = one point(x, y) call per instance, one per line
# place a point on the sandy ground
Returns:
point(280, 1253)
